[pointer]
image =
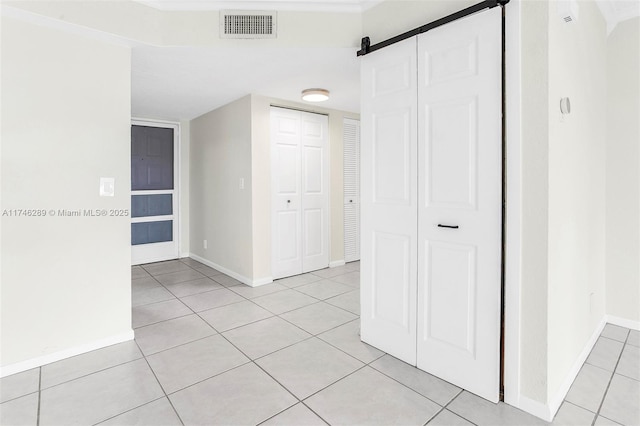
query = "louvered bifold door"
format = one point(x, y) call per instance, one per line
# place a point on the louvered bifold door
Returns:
point(351, 170)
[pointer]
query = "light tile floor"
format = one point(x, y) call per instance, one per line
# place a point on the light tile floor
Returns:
point(210, 350)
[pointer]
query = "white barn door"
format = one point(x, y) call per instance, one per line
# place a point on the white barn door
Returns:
point(299, 186)
point(389, 200)
point(460, 198)
point(431, 201)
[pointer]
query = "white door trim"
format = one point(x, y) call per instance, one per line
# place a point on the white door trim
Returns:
point(512, 247)
point(177, 161)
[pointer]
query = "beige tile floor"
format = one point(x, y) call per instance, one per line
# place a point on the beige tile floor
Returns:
point(210, 350)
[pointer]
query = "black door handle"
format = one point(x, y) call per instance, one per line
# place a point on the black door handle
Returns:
point(448, 226)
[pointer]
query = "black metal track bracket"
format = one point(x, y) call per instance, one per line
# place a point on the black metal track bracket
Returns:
point(366, 47)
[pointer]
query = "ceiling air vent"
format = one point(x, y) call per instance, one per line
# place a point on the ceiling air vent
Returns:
point(247, 24)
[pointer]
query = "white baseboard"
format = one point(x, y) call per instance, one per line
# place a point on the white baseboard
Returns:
point(336, 263)
point(245, 280)
point(623, 322)
point(262, 281)
point(18, 367)
point(556, 401)
point(548, 411)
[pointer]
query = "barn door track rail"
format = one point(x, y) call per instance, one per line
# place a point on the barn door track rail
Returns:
point(366, 47)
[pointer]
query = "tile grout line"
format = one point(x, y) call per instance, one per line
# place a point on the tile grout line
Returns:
point(410, 388)
point(160, 322)
point(39, 394)
point(128, 411)
point(314, 412)
point(160, 384)
point(333, 383)
point(613, 373)
point(453, 412)
point(442, 408)
point(100, 370)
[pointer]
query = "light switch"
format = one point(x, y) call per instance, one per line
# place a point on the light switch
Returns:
point(241, 183)
point(107, 187)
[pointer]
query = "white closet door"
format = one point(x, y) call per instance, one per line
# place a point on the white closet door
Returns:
point(286, 231)
point(389, 199)
point(315, 191)
point(460, 185)
point(300, 192)
point(351, 176)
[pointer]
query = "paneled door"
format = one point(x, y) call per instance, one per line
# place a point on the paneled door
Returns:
point(300, 192)
point(389, 200)
point(154, 192)
point(460, 198)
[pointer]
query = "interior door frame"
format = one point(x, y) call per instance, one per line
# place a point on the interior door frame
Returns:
point(513, 209)
point(177, 160)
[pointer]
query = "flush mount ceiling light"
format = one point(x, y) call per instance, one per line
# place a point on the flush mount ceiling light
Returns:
point(315, 95)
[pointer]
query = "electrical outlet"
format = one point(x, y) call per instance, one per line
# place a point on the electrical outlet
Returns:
point(204, 244)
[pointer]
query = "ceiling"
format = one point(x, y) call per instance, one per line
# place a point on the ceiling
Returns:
point(176, 83)
point(615, 11)
point(299, 5)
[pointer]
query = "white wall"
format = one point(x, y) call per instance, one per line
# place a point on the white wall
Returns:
point(393, 17)
point(577, 69)
point(221, 212)
point(534, 195)
point(65, 281)
point(135, 21)
point(623, 171)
